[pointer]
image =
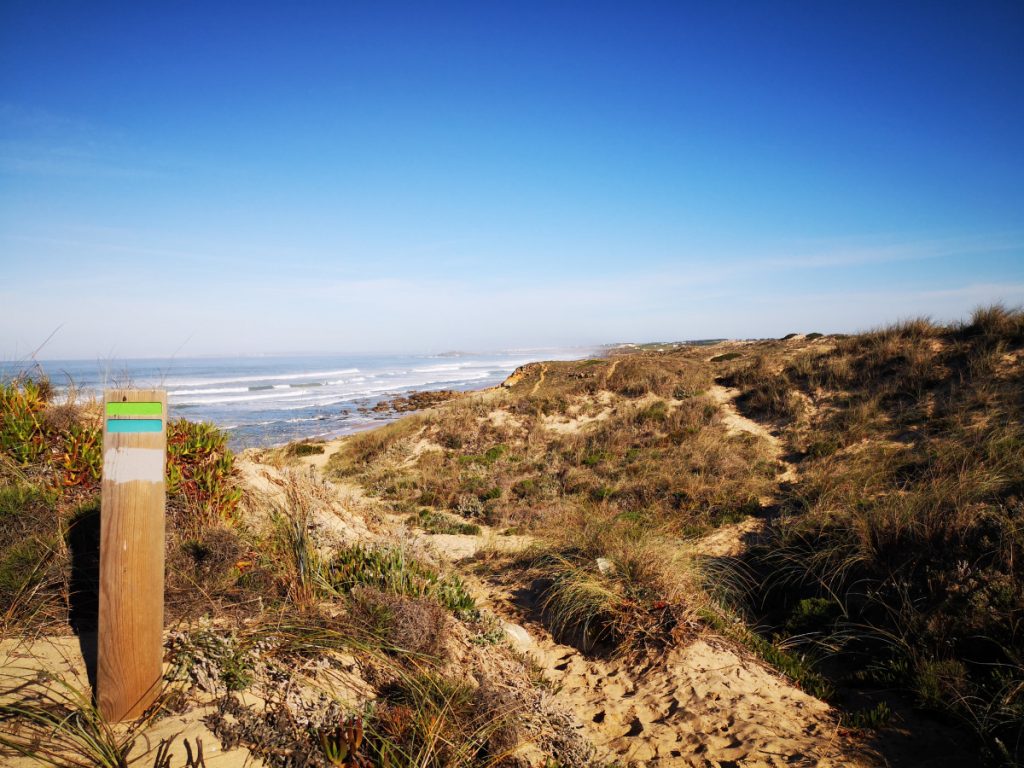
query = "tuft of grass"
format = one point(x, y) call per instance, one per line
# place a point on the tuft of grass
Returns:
point(363, 449)
point(726, 357)
point(872, 718)
point(997, 323)
point(394, 570)
point(766, 392)
point(32, 555)
point(437, 522)
point(56, 723)
point(610, 585)
point(304, 448)
point(430, 720)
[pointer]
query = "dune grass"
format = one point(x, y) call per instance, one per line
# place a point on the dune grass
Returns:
point(908, 514)
point(891, 563)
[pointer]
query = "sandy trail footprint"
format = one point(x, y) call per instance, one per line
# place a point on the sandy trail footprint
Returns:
point(703, 704)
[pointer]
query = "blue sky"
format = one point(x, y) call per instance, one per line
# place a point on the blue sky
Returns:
point(209, 178)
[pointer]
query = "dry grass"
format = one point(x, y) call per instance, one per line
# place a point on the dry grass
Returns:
point(905, 519)
point(614, 585)
point(658, 465)
point(908, 514)
point(897, 552)
point(669, 460)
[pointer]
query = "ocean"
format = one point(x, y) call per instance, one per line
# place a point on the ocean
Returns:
point(267, 401)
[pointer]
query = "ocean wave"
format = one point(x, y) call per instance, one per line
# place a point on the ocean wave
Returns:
point(444, 367)
point(196, 382)
point(243, 399)
point(391, 388)
point(216, 391)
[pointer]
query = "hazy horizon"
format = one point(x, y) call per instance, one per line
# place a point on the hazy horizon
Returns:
point(403, 178)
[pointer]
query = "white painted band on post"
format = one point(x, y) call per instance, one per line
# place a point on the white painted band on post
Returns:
point(124, 465)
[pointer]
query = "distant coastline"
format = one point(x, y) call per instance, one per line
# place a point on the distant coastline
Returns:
point(268, 401)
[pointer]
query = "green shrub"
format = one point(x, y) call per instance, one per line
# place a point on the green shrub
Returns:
point(391, 569)
point(937, 683)
point(22, 429)
point(490, 494)
point(212, 660)
point(438, 522)
point(486, 458)
point(526, 488)
point(656, 412)
point(304, 449)
point(872, 718)
point(83, 455)
point(200, 471)
point(812, 614)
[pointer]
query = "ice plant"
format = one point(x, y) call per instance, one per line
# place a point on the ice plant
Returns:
point(341, 745)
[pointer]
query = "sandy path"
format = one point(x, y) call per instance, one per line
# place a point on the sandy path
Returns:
point(703, 704)
point(543, 371)
point(735, 422)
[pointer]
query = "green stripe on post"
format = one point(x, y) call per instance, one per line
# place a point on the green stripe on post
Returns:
point(134, 409)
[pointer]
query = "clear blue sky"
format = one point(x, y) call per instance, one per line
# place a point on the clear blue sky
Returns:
point(287, 177)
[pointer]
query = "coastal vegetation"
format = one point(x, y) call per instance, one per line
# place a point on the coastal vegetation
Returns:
point(845, 510)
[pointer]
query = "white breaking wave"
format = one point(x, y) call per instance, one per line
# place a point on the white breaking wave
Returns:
point(444, 367)
point(244, 399)
point(321, 399)
point(216, 391)
point(273, 377)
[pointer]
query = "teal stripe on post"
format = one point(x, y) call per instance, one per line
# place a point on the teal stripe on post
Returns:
point(134, 425)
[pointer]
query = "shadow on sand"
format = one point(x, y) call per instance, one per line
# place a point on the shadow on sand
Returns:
point(84, 545)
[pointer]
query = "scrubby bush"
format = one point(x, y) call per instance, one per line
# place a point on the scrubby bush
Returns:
point(304, 449)
point(23, 434)
point(726, 357)
point(438, 522)
point(910, 544)
point(402, 624)
point(200, 468)
point(391, 569)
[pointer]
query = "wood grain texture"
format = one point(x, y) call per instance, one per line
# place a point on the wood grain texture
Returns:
point(131, 619)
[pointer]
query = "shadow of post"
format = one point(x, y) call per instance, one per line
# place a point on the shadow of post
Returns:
point(83, 540)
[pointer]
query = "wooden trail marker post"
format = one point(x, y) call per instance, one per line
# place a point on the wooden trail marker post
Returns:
point(131, 620)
